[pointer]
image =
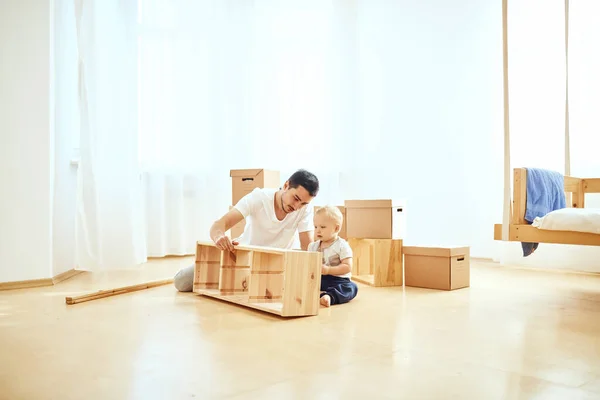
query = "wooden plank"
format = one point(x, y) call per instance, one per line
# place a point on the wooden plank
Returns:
point(261, 249)
point(578, 197)
point(242, 300)
point(266, 279)
point(519, 195)
point(113, 292)
point(571, 184)
point(498, 231)
point(388, 262)
point(531, 234)
point(208, 267)
point(362, 256)
point(302, 284)
point(591, 185)
point(206, 274)
point(234, 273)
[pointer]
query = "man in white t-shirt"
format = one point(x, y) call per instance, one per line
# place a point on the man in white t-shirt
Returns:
point(274, 218)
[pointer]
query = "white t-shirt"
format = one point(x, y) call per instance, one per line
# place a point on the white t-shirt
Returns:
point(334, 254)
point(262, 226)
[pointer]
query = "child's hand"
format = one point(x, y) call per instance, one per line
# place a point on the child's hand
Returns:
point(324, 270)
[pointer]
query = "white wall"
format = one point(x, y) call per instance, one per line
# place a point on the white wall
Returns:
point(37, 209)
point(26, 173)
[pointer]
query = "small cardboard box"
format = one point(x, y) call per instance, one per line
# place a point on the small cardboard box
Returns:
point(342, 233)
point(375, 219)
point(245, 181)
point(443, 268)
point(237, 230)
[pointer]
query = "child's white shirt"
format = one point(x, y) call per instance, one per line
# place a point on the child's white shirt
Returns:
point(262, 226)
point(334, 254)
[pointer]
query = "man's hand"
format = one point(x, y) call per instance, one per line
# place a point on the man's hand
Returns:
point(222, 225)
point(324, 270)
point(224, 243)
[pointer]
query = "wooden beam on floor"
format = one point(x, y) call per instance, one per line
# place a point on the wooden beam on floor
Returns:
point(113, 292)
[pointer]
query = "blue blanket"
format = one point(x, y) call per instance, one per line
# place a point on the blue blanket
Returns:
point(545, 193)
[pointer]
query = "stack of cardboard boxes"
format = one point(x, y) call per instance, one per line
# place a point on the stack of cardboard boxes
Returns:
point(375, 229)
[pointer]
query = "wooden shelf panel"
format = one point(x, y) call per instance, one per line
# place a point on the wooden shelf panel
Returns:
point(241, 299)
point(377, 262)
point(531, 234)
point(259, 249)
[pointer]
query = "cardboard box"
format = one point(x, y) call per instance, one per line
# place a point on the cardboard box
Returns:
point(443, 268)
point(237, 230)
point(375, 219)
point(342, 233)
point(245, 181)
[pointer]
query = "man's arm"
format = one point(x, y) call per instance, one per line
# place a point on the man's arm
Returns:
point(305, 239)
point(244, 207)
point(222, 225)
point(306, 228)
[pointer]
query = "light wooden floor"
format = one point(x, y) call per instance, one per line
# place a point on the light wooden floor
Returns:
point(515, 334)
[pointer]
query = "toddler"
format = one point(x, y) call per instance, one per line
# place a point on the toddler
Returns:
point(336, 286)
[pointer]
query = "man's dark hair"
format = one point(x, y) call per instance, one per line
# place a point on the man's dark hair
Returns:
point(305, 179)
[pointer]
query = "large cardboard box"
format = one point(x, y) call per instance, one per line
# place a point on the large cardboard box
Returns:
point(342, 233)
point(244, 181)
point(375, 219)
point(443, 268)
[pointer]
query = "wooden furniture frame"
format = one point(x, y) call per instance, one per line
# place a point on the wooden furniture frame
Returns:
point(279, 281)
point(521, 231)
point(377, 262)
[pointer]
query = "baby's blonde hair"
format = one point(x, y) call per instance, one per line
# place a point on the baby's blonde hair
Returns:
point(331, 212)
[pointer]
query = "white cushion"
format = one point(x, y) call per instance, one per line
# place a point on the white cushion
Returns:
point(570, 219)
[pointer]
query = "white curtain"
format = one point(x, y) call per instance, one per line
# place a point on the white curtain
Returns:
point(110, 224)
point(378, 105)
point(235, 84)
point(584, 116)
point(380, 99)
point(584, 93)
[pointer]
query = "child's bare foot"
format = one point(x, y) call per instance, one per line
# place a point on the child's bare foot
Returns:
point(326, 300)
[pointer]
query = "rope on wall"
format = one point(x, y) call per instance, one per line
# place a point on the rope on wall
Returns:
point(507, 208)
point(567, 139)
